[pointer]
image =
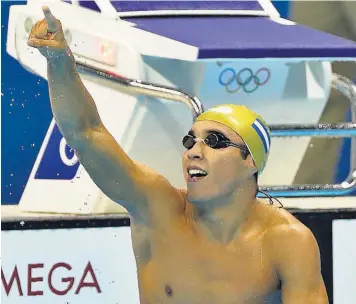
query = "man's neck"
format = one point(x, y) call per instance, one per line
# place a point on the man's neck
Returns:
point(223, 220)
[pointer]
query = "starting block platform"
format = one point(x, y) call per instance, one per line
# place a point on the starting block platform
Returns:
point(152, 67)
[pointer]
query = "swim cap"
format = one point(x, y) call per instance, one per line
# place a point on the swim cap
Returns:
point(248, 125)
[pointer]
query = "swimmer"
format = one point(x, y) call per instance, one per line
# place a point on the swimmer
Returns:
point(213, 242)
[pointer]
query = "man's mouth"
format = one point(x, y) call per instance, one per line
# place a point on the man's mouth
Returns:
point(196, 174)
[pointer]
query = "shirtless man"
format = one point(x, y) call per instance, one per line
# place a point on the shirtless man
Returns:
point(212, 243)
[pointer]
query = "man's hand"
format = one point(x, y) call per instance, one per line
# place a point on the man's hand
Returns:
point(48, 37)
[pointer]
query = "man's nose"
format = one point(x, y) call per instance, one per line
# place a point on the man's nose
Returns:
point(196, 152)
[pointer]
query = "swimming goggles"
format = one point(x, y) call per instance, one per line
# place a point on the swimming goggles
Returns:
point(213, 140)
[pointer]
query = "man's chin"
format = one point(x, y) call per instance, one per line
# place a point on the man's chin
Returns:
point(197, 197)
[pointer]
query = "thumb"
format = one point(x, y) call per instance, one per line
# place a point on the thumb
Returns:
point(52, 25)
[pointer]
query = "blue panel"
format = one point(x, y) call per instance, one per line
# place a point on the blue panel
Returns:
point(25, 118)
point(124, 6)
point(282, 7)
point(52, 165)
point(248, 37)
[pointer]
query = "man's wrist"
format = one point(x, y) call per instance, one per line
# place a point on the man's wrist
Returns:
point(61, 58)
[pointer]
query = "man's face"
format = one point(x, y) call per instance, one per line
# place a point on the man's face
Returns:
point(225, 168)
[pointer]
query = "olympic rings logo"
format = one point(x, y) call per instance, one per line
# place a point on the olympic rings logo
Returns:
point(233, 81)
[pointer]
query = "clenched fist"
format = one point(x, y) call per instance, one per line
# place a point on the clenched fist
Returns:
point(48, 37)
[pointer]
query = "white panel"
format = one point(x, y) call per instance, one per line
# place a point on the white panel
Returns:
point(100, 257)
point(344, 261)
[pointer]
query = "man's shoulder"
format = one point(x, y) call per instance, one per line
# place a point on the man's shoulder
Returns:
point(285, 235)
point(283, 228)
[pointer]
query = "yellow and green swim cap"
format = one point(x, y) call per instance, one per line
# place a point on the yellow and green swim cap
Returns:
point(248, 125)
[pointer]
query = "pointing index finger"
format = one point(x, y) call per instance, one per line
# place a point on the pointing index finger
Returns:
point(52, 25)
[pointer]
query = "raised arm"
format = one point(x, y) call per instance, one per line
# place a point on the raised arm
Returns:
point(124, 181)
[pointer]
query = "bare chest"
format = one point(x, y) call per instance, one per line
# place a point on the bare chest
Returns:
point(185, 269)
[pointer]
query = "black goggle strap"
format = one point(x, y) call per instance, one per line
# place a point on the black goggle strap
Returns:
point(240, 146)
point(271, 198)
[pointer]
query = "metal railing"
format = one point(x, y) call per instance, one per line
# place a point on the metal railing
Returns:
point(138, 87)
point(348, 89)
point(346, 129)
